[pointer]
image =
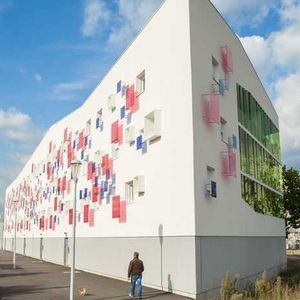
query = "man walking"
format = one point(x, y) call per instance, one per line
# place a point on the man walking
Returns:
point(135, 270)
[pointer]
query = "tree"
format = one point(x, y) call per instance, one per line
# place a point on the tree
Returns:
point(291, 196)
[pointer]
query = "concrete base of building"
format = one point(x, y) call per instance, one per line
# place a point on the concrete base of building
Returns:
point(188, 266)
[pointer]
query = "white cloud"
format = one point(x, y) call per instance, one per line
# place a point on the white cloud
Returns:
point(95, 15)
point(245, 12)
point(17, 126)
point(37, 77)
point(288, 108)
point(259, 52)
point(68, 90)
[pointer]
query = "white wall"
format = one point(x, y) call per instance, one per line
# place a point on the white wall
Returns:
point(162, 49)
point(228, 215)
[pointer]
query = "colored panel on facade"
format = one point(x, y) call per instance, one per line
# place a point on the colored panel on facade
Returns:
point(139, 142)
point(123, 214)
point(119, 86)
point(115, 132)
point(224, 164)
point(120, 134)
point(95, 193)
point(86, 213)
point(55, 203)
point(214, 108)
point(226, 58)
point(232, 163)
point(90, 170)
point(71, 216)
point(122, 112)
point(91, 217)
point(116, 207)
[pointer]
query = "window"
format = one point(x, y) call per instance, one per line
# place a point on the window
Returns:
point(88, 127)
point(140, 83)
point(152, 125)
point(129, 191)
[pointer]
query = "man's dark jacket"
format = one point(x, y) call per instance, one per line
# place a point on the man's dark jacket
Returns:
point(136, 267)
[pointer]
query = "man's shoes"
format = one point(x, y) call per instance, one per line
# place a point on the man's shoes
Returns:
point(130, 295)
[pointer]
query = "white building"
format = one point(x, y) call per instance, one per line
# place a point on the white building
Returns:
point(181, 162)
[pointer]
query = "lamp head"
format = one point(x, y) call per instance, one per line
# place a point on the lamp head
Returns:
point(75, 169)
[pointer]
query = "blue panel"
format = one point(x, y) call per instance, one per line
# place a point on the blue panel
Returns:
point(234, 141)
point(102, 194)
point(122, 112)
point(144, 147)
point(96, 181)
point(85, 193)
point(139, 142)
point(90, 143)
point(101, 126)
point(97, 123)
point(222, 87)
point(226, 82)
point(119, 86)
point(213, 189)
point(86, 140)
point(74, 144)
point(80, 194)
point(105, 186)
point(82, 154)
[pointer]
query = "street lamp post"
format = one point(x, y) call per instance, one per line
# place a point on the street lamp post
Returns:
point(75, 169)
point(15, 235)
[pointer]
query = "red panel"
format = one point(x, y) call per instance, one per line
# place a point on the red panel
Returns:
point(105, 164)
point(86, 213)
point(55, 203)
point(205, 109)
point(50, 222)
point(95, 194)
point(116, 207)
point(71, 216)
point(58, 184)
point(92, 218)
point(90, 170)
point(81, 140)
point(115, 132)
point(123, 205)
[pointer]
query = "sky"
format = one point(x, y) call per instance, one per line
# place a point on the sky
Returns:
point(54, 52)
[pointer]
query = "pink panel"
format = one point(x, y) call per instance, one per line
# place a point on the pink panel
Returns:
point(224, 163)
point(86, 213)
point(69, 187)
point(123, 205)
point(50, 147)
point(227, 61)
point(130, 97)
point(115, 132)
point(116, 207)
point(92, 218)
point(232, 163)
point(214, 108)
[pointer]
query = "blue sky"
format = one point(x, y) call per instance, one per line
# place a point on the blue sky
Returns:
point(53, 53)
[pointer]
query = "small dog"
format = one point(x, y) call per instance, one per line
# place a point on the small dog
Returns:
point(81, 291)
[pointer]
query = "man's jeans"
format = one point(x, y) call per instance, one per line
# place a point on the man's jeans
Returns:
point(136, 279)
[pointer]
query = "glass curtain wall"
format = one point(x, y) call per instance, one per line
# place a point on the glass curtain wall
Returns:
point(255, 161)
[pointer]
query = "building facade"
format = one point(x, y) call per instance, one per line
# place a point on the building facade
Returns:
point(180, 155)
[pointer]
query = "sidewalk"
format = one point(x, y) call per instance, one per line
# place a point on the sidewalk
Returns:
point(35, 279)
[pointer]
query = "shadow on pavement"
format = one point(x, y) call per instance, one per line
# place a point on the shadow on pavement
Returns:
point(22, 274)
point(25, 289)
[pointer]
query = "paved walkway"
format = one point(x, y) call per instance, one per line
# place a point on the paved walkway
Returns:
point(35, 279)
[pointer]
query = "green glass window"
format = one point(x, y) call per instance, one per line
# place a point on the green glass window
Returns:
point(254, 119)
